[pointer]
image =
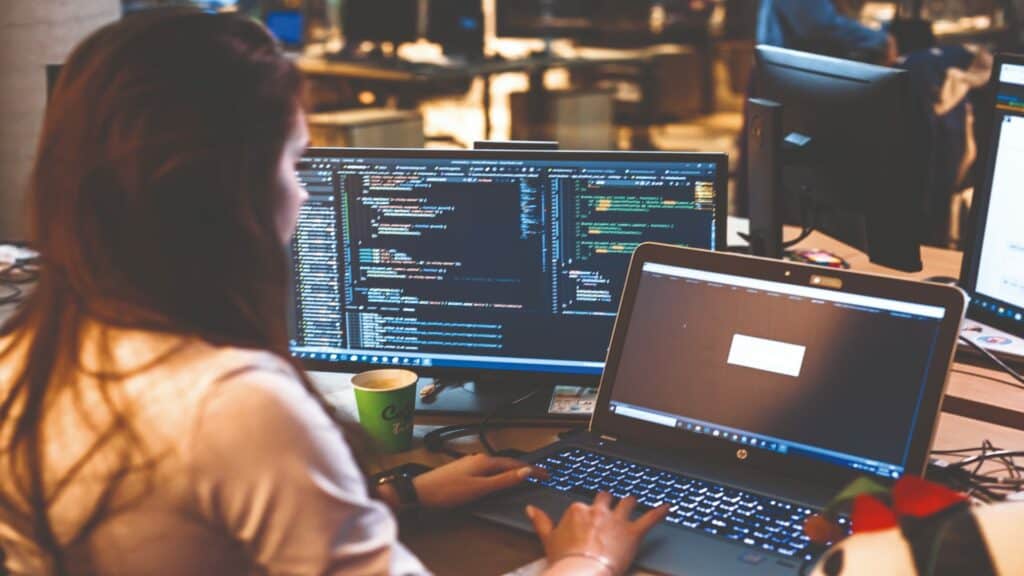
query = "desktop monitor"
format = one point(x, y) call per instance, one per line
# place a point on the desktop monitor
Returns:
point(395, 21)
point(993, 271)
point(852, 165)
point(458, 26)
point(543, 18)
point(494, 265)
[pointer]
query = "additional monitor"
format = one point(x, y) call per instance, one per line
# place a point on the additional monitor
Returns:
point(853, 165)
point(394, 21)
point(484, 263)
point(543, 18)
point(458, 26)
point(287, 26)
point(993, 271)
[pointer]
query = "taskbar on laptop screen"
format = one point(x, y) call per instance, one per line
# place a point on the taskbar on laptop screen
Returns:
point(761, 441)
point(719, 355)
point(442, 361)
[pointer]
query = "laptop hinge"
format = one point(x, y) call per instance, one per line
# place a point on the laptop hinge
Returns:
point(609, 438)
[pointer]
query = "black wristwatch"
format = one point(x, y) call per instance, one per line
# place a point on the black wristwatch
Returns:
point(404, 488)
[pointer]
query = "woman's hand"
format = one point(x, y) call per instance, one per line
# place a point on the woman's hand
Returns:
point(597, 535)
point(470, 478)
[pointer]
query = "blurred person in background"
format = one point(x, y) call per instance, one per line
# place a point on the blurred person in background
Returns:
point(822, 27)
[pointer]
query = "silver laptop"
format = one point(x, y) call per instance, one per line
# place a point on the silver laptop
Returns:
point(746, 392)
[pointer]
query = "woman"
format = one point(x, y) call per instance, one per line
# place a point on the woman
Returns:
point(151, 421)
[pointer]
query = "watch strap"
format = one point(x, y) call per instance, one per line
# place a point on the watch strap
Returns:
point(403, 487)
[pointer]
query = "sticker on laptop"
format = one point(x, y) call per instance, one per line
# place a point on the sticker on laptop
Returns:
point(573, 400)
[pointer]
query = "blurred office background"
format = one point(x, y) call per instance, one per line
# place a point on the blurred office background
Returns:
point(592, 74)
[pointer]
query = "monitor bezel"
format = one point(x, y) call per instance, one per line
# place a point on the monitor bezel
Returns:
point(975, 241)
point(720, 160)
point(707, 448)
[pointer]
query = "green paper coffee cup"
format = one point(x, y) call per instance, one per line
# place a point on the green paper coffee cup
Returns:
point(386, 400)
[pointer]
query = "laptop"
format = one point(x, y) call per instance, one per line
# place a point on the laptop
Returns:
point(993, 269)
point(746, 393)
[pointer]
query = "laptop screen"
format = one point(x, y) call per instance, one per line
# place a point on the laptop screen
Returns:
point(997, 280)
point(720, 355)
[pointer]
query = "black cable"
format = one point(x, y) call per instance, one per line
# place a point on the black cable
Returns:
point(966, 476)
point(482, 430)
point(804, 234)
point(995, 360)
point(982, 376)
point(990, 453)
point(980, 462)
point(436, 440)
point(958, 451)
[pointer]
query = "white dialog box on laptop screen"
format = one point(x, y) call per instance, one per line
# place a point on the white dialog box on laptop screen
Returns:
point(767, 355)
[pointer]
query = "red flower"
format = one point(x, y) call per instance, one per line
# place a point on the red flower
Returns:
point(911, 496)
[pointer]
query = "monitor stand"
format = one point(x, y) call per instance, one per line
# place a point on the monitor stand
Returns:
point(764, 177)
point(768, 151)
point(497, 399)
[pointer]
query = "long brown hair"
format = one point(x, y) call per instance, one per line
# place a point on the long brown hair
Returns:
point(152, 203)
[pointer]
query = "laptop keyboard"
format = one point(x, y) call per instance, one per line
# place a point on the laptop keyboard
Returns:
point(751, 519)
